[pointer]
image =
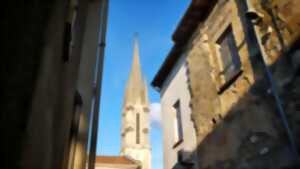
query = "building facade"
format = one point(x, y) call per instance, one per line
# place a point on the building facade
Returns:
point(179, 137)
point(51, 83)
point(135, 132)
point(242, 63)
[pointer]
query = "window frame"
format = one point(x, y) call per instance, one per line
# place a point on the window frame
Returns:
point(227, 80)
point(177, 124)
point(69, 30)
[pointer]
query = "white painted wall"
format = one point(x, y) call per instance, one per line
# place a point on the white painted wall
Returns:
point(176, 88)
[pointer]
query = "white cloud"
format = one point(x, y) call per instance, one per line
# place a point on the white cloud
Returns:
point(155, 116)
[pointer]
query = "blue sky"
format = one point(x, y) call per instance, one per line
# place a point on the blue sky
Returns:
point(155, 21)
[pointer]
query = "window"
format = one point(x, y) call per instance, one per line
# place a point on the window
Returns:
point(68, 29)
point(137, 128)
point(230, 63)
point(66, 41)
point(177, 123)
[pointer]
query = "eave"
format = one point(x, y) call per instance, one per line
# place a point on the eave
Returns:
point(195, 14)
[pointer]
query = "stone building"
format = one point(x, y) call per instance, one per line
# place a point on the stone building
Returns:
point(242, 69)
point(135, 132)
point(51, 77)
point(116, 162)
point(179, 136)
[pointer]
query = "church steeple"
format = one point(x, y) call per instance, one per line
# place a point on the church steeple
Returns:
point(135, 115)
point(136, 89)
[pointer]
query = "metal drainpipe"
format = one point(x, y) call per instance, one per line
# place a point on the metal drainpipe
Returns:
point(101, 47)
point(269, 10)
point(278, 101)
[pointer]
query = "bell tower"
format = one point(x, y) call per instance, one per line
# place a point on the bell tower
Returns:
point(135, 116)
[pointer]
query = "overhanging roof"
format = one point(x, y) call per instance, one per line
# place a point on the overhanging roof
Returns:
point(114, 160)
point(196, 12)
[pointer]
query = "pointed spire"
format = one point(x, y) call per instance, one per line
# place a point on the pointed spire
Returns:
point(136, 59)
point(136, 67)
point(135, 89)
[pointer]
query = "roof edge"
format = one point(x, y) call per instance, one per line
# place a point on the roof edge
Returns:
point(197, 11)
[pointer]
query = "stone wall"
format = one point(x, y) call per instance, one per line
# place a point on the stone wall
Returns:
point(239, 126)
point(39, 84)
point(278, 35)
